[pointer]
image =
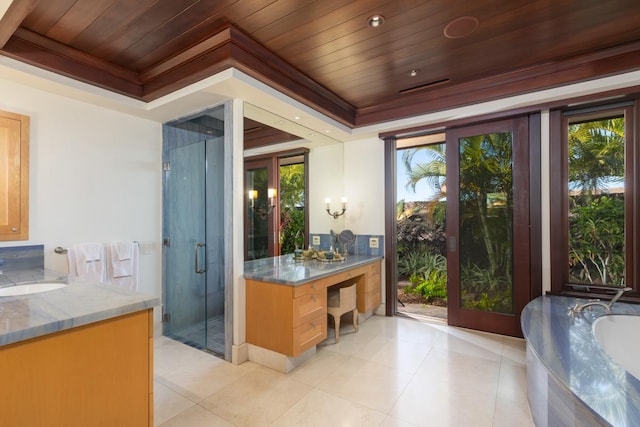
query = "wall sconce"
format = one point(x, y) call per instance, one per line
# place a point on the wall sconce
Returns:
point(336, 214)
point(262, 211)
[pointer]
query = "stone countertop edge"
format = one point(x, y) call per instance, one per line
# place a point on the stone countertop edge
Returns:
point(570, 352)
point(30, 316)
point(285, 270)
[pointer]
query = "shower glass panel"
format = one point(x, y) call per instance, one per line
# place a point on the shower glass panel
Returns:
point(193, 232)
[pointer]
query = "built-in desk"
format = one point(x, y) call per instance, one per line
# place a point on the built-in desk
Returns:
point(286, 304)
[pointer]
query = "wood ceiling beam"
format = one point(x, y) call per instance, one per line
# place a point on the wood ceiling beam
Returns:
point(230, 47)
point(13, 17)
point(50, 55)
point(581, 68)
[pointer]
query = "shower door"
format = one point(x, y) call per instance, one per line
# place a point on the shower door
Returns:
point(194, 228)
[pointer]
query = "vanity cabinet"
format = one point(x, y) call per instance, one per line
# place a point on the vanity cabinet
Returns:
point(286, 319)
point(292, 318)
point(100, 374)
point(14, 176)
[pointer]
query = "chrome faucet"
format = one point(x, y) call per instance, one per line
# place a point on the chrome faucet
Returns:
point(579, 308)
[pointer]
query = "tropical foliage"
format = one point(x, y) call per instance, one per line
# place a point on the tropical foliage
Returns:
point(420, 233)
point(596, 219)
point(486, 221)
point(291, 207)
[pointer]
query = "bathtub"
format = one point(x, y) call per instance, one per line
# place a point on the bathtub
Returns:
point(619, 337)
point(580, 369)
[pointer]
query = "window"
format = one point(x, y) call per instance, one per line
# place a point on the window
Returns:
point(593, 200)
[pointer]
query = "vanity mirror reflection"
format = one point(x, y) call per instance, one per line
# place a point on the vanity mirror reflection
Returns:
point(289, 171)
point(14, 176)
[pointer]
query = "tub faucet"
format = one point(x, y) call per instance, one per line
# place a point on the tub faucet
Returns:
point(579, 308)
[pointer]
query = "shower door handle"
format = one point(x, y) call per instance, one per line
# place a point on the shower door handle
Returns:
point(195, 255)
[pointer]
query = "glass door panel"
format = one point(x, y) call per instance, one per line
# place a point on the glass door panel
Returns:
point(184, 253)
point(596, 202)
point(485, 200)
point(488, 225)
point(195, 223)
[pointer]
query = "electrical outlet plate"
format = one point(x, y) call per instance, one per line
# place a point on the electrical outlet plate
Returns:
point(316, 240)
point(373, 242)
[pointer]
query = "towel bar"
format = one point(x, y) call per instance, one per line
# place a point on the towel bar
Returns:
point(62, 251)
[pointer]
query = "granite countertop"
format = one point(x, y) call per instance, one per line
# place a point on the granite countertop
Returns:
point(570, 352)
point(287, 271)
point(29, 316)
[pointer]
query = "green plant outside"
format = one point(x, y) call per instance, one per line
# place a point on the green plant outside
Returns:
point(596, 222)
point(292, 198)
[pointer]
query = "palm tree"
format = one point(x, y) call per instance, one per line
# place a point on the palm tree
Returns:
point(596, 232)
point(433, 170)
point(486, 173)
point(596, 154)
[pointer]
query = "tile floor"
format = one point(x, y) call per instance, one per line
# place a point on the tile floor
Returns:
point(394, 372)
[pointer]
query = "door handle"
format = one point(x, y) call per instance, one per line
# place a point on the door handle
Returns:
point(195, 256)
point(451, 243)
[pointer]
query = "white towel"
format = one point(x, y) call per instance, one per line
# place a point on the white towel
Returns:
point(124, 250)
point(86, 263)
point(123, 265)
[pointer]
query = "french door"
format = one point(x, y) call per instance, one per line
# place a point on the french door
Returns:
point(262, 209)
point(488, 241)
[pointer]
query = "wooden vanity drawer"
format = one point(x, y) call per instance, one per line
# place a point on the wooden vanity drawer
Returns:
point(309, 306)
point(309, 333)
point(308, 288)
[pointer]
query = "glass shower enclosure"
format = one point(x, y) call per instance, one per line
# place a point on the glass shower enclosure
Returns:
point(195, 227)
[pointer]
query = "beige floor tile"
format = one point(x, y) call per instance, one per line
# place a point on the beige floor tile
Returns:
point(257, 399)
point(405, 356)
point(395, 372)
point(370, 384)
point(434, 402)
point(322, 364)
point(394, 422)
point(167, 403)
point(196, 416)
point(322, 409)
point(514, 350)
point(200, 377)
point(487, 346)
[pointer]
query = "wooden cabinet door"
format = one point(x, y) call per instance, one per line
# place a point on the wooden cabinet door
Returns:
point(14, 176)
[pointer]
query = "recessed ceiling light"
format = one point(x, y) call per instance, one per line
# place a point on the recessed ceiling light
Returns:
point(375, 21)
point(296, 118)
point(413, 72)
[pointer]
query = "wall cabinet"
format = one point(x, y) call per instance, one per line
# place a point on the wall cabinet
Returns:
point(14, 176)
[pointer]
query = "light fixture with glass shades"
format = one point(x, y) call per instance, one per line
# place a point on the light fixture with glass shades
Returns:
point(262, 210)
point(336, 214)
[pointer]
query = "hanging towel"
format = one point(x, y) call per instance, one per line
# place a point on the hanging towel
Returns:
point(87, 263)
point(123, 265)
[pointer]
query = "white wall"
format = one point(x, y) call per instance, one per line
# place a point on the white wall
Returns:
point(364, 186)
point(326, 179)
point(95, 175)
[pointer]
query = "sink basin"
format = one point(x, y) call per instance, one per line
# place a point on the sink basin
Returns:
point(31, 288)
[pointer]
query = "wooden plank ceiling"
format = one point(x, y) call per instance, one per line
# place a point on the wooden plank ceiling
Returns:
point(324, 54)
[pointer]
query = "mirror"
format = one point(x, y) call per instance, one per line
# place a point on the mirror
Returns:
point(267, 134)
